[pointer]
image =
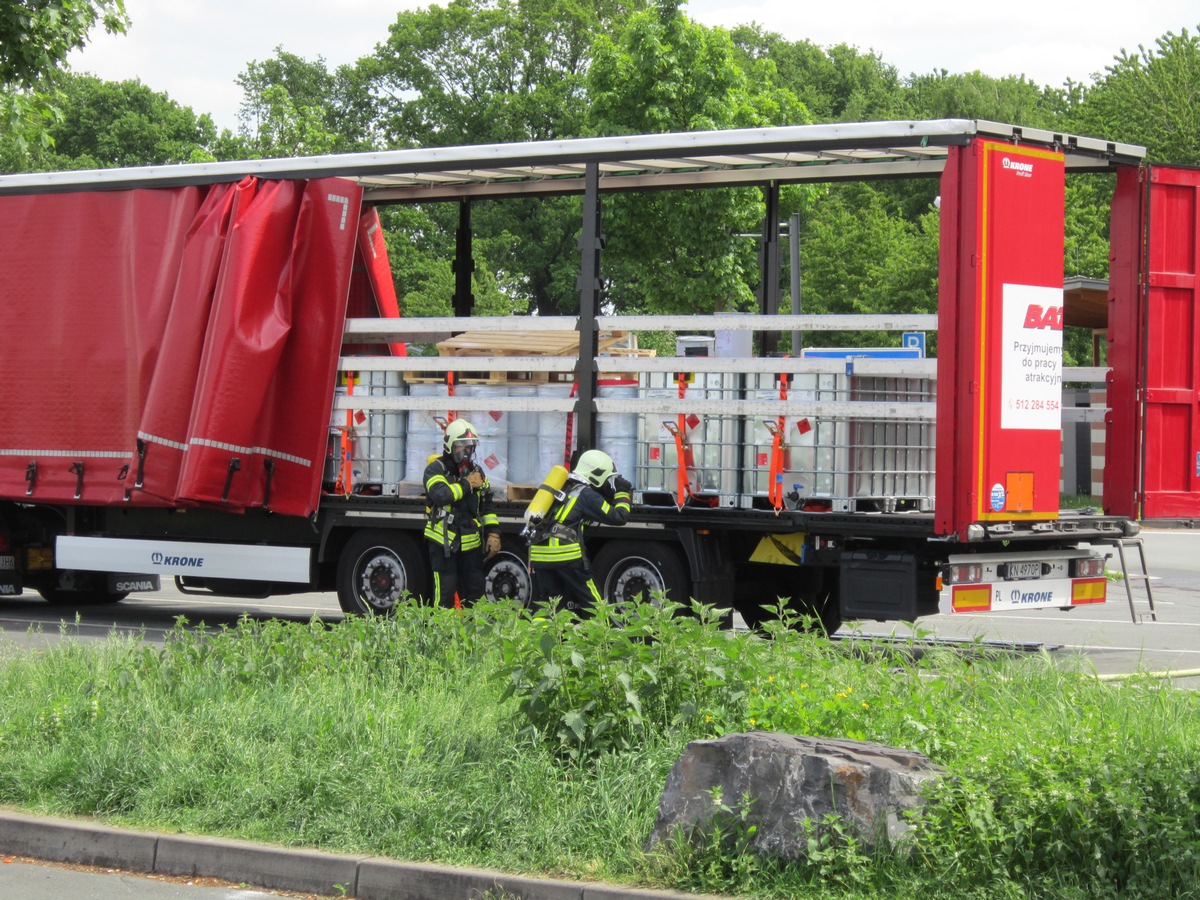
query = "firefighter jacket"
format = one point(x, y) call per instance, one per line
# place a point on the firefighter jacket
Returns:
point(457, 516)
point(561, 537)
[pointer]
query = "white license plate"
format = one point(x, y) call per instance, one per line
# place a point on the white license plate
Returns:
point(1020, 571)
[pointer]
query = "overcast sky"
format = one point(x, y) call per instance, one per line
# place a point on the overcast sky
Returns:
point(194, 49)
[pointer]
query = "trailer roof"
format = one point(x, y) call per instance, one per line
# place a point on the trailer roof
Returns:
point(637, 162)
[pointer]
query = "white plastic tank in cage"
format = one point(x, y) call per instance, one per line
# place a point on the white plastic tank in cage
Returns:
point(524, 467)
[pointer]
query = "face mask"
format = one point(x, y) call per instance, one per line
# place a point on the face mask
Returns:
point(463, 453)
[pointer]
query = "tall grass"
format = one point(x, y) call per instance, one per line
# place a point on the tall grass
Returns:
point(541, 746)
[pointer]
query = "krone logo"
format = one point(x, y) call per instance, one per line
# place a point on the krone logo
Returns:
point(1024, 169)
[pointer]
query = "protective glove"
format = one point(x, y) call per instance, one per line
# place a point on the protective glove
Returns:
point(493, 545)
point(474, 479)
point(621, 485)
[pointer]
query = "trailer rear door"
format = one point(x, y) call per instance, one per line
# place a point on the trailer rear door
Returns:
point(1153, 452)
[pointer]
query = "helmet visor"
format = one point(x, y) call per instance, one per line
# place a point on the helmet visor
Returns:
point(462, 451)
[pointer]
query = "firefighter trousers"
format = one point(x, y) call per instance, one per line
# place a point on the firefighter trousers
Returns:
point(459, 573)
point(567, 586)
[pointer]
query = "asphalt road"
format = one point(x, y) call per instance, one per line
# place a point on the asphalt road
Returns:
point(31, 880)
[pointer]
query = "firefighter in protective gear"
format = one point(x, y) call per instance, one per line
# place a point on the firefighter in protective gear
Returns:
point(462, 521)
point(594, 492)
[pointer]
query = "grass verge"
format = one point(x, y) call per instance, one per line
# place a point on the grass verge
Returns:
point(541, 746)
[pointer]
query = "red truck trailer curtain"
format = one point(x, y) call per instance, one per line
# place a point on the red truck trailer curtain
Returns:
point(174, 346)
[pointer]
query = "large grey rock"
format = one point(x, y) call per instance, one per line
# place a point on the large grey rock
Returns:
point(789, 779)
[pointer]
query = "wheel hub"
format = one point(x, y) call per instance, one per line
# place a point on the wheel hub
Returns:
point(507, 579)
point(382, 583)
point(639, 578)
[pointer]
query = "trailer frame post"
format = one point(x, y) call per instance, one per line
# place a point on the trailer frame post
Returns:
point(464, 262)
point(591, 242)
point(768, 257)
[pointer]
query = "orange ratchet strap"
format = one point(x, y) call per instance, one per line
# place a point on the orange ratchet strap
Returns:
point(683, 486)
point(775, 473)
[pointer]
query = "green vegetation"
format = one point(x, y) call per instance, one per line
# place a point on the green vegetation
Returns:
point(541, 746)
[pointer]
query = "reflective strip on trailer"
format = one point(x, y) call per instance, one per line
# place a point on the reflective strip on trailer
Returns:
point(252, 562)
point(1089, 590)
point(971, 598)
point(1045, 593)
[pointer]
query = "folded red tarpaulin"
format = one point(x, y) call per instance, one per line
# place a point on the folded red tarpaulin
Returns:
point(199, 326)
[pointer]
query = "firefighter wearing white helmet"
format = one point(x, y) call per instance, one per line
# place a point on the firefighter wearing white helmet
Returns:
point(461, 519)
point(594, 492)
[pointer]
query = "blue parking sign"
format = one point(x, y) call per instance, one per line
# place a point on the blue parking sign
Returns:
point(915, 340)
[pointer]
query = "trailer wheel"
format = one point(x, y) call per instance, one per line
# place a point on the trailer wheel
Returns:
point(826, 608)
point(506, 574)
point(377, 570)
point(627, 570)
point(817, 597)
point(58, 597)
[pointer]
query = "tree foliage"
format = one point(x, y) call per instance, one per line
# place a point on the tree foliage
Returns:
point(487, 71)
point(665, 73)
point(837, 84)
point(1151, 98)
point(37, 35)
point(858, 256)
point(35, 38)
point(973, 95)
point(296, 107)
point(109, 123)
point(490, 71)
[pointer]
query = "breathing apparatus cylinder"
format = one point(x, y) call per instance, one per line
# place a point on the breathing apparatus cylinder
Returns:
point(546, 494)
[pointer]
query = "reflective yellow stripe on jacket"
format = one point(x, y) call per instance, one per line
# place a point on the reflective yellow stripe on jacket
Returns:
point(435, 529)
point(557, 549)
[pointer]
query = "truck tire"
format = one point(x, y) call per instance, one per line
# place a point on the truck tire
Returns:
point(506, 575)
point(58, 597)
point(826, 608)
point(625, 570)
point(818, 599)
point(377, 570)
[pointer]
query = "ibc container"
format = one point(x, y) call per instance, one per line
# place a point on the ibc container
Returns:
point(553, 447)
point(617, 432)
point(712, 441)
point(424, 435)
point(492, 427)
point(815, 448)
point(524, 466)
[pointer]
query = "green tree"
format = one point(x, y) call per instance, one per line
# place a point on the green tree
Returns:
point(109, 123)
point(665, 73)
point(35, 38)
point(296, 107)
point(838, 84)
point(1151, 98)
point(973, 95)
point(489, 71)
point(858, 255)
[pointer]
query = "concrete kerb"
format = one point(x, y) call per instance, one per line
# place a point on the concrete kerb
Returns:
point(283, 868)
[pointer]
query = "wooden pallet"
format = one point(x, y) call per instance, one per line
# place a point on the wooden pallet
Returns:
point(524, 343)
point(527, 343)
point(521, 493)
point(493, 378)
